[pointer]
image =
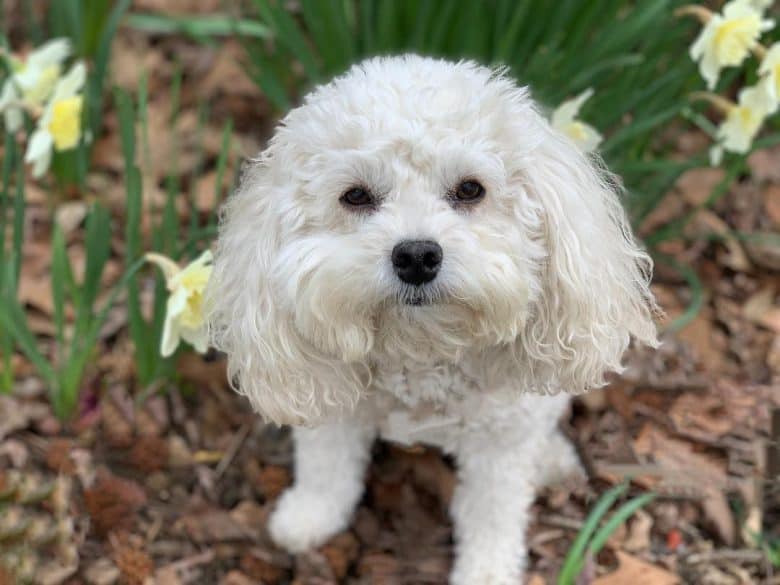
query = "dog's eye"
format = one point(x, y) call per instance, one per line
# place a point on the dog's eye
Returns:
point(357, 197)
point(469, 192)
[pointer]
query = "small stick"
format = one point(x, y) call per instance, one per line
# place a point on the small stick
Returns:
point(232, 450)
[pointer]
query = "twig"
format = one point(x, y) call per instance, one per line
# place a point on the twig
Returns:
point(745, 555)
point(232, 450)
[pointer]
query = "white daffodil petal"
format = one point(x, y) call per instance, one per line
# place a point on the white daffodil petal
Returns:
point(41, 164)
point(170, 337)
point(566, 112)
point(39, 152)
point(716, 155)
point(564, 120)
point(197, 338)
point(12, 114)
point(770, 71)
point(52, 52)
point(40, 142)
point(205, 258)
point(743, 121)
point(71, 83)
point(727, 39)
point(760, 5)
point(177, 303)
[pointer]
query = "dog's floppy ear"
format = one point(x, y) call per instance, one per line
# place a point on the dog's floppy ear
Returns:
point(596, 277)
point(286, 378)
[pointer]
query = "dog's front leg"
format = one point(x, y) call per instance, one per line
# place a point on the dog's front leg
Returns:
point(329, 465)
point(490, 508)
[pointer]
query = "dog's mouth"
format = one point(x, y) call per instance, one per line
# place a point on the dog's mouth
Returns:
point(416, 298)
point(417, 301)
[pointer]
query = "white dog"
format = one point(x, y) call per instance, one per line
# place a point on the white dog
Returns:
point(419, 255)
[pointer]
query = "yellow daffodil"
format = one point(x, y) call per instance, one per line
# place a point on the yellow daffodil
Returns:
point(743, 120)
point(564, 119)
point(184, 317)
point(727, 38)
point(32, 80)
point(770, 76)
point(59, 127)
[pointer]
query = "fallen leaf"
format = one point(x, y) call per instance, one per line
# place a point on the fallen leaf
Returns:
point(687, 470)
point(633, 571)
point(69, 215)
point(102, 572)
point(112, 502)
point(697, 185)
point(760, 308)
point(210, 526)
point(772, 203)
point(765, 164)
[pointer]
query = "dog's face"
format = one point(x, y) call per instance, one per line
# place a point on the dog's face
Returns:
point(420, 210)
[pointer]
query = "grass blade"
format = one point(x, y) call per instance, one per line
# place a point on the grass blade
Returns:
point(575, 555)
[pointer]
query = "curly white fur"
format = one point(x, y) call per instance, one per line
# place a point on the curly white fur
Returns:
point(541, 289)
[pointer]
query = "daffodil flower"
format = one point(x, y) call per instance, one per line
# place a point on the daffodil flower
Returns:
point(761, 5)
point(564, 119)
point(32, 80)
point(727, 38)
point(60, 125)
point(770, 76)
point(184, 317)
point(742, 122)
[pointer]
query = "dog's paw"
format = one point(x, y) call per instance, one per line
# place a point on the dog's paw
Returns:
point(484, 575)
point(488, 566)
point(304, 520)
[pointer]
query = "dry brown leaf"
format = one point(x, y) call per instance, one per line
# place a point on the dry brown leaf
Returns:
point(687, 470)
point(765, 164)
point(341, 551)
point(112, 502)
point(272, 480)
point(700, 334)
point(36, 292)
point(696, 185)
point(760, 308)
point(212, 525)
point(670, 207)
point(69, 215)
point(226, 74)
point(633, 571)
point(131, 57)
point(772, 203)
point(208, 374)
point(638, 539)
point(102, 572)
point(707, 222)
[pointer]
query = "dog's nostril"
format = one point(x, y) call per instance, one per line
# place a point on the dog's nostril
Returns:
point(402, 260)
point(417, 261)
point(431, 259)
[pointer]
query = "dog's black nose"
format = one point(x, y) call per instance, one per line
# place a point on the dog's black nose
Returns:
point(417, 261)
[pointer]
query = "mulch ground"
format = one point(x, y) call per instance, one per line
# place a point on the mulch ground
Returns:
point(174, 484)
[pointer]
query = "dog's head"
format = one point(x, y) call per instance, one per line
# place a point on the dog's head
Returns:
point(417, 209)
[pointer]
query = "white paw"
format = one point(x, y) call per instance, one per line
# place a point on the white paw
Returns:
point(489, 566)
point(484, 575)
point(304, 520)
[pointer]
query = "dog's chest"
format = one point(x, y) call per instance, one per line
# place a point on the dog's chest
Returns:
point(421, 403)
